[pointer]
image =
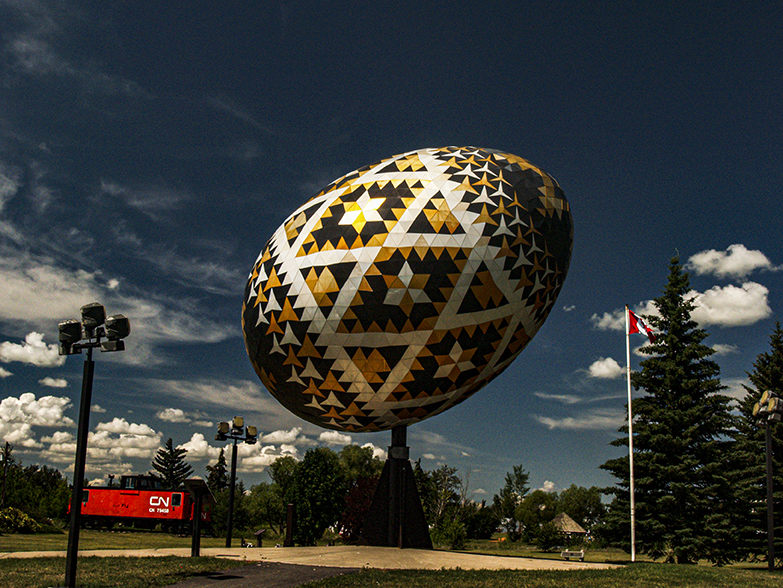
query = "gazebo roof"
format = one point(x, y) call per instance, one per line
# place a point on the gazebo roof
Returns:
point(566, 524)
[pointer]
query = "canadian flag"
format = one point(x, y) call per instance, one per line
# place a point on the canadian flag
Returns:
point(637, 325)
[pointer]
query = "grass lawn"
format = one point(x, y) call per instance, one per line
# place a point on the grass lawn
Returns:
point(90, 539)
point(640, 575)
point(108, 572)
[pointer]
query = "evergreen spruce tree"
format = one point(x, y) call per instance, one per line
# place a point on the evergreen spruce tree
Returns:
point(749, 456)
point(171, 466)
point(217, 475)
point(684, 499)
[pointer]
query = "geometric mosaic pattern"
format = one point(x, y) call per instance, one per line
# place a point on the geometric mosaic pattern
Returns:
point(405, 286)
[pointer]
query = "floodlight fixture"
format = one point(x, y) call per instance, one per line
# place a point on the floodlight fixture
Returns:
point(238, 423)
point(93, 316)
point(222, 431)
point(117, 327)
point(251, 434)
point(70, 332)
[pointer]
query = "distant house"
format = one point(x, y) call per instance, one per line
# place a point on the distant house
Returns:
point(568, 526)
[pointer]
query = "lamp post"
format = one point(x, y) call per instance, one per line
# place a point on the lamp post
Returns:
point(73, 337)
point(237, 432)
point(769, 409)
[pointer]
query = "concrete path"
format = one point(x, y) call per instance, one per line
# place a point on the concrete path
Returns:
point(346, 556)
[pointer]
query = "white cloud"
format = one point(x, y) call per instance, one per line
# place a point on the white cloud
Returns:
point(177, 415)
point(9, 183)
point(569, 307)
point(172, 415)
point(47, 411)
point(615, 320)
point(428, 456)
point(54, 382)
point(284, 437)
point(120, 426)
point(18, 434)
point(18, 416)
point(4, 373)
point(36, 290)
point(97, 409)
point(724, 349)
point(605, 368)
point(377, 452)
point(334, 438)
point(33, 351)
point(198, 447)
point(592, 420)
point(735, 387)
point(256, 458)
point(731, 306)
point(548, 486)
point(736, 262)
point(564, 398)
point(609, 321)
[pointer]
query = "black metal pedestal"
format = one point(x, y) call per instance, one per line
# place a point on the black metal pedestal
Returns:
point(396, 517)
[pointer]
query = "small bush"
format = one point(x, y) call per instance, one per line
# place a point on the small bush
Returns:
point(451, 533)
point(13, 520)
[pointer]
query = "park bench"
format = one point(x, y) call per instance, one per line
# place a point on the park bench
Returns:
point(568, 554)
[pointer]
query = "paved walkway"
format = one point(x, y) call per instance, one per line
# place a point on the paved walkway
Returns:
point(346, 556)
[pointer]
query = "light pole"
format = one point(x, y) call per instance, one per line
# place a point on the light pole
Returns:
point(769, 409)
point(73, 337)
point(237, 432)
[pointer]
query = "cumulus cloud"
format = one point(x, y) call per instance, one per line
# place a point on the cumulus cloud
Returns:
point(285, 437)
point(4, 373)
point(736, 262)
point(334, 438)
point(120, 426)
point(33, 352)
point(377, 452)
point(198, 447)
point(18, 416)
point(47, 411)
point(731, 306)
point(548, 486)
point(256, 458)
point(54, 382)
point(606, 368)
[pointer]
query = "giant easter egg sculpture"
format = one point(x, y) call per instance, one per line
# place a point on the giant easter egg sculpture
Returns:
point(405, 286)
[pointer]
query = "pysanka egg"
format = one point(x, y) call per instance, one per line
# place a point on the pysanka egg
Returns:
point(405, 286)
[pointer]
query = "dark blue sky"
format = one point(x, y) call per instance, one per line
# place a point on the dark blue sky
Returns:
point(148, 151)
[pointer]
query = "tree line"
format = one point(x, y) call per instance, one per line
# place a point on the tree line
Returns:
point(699, 469)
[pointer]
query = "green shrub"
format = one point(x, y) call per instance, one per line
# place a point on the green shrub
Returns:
point(13, 520)
point(451, 533)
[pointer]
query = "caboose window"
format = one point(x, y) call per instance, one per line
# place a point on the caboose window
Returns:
point(85, 496)
point(176, 499)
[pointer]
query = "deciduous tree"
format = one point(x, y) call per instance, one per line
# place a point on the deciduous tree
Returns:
point(319, 494)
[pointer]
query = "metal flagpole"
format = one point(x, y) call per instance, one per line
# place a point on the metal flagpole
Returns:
point(630, 433)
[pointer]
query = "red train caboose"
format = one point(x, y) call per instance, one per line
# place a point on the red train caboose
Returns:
point(141, 502)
